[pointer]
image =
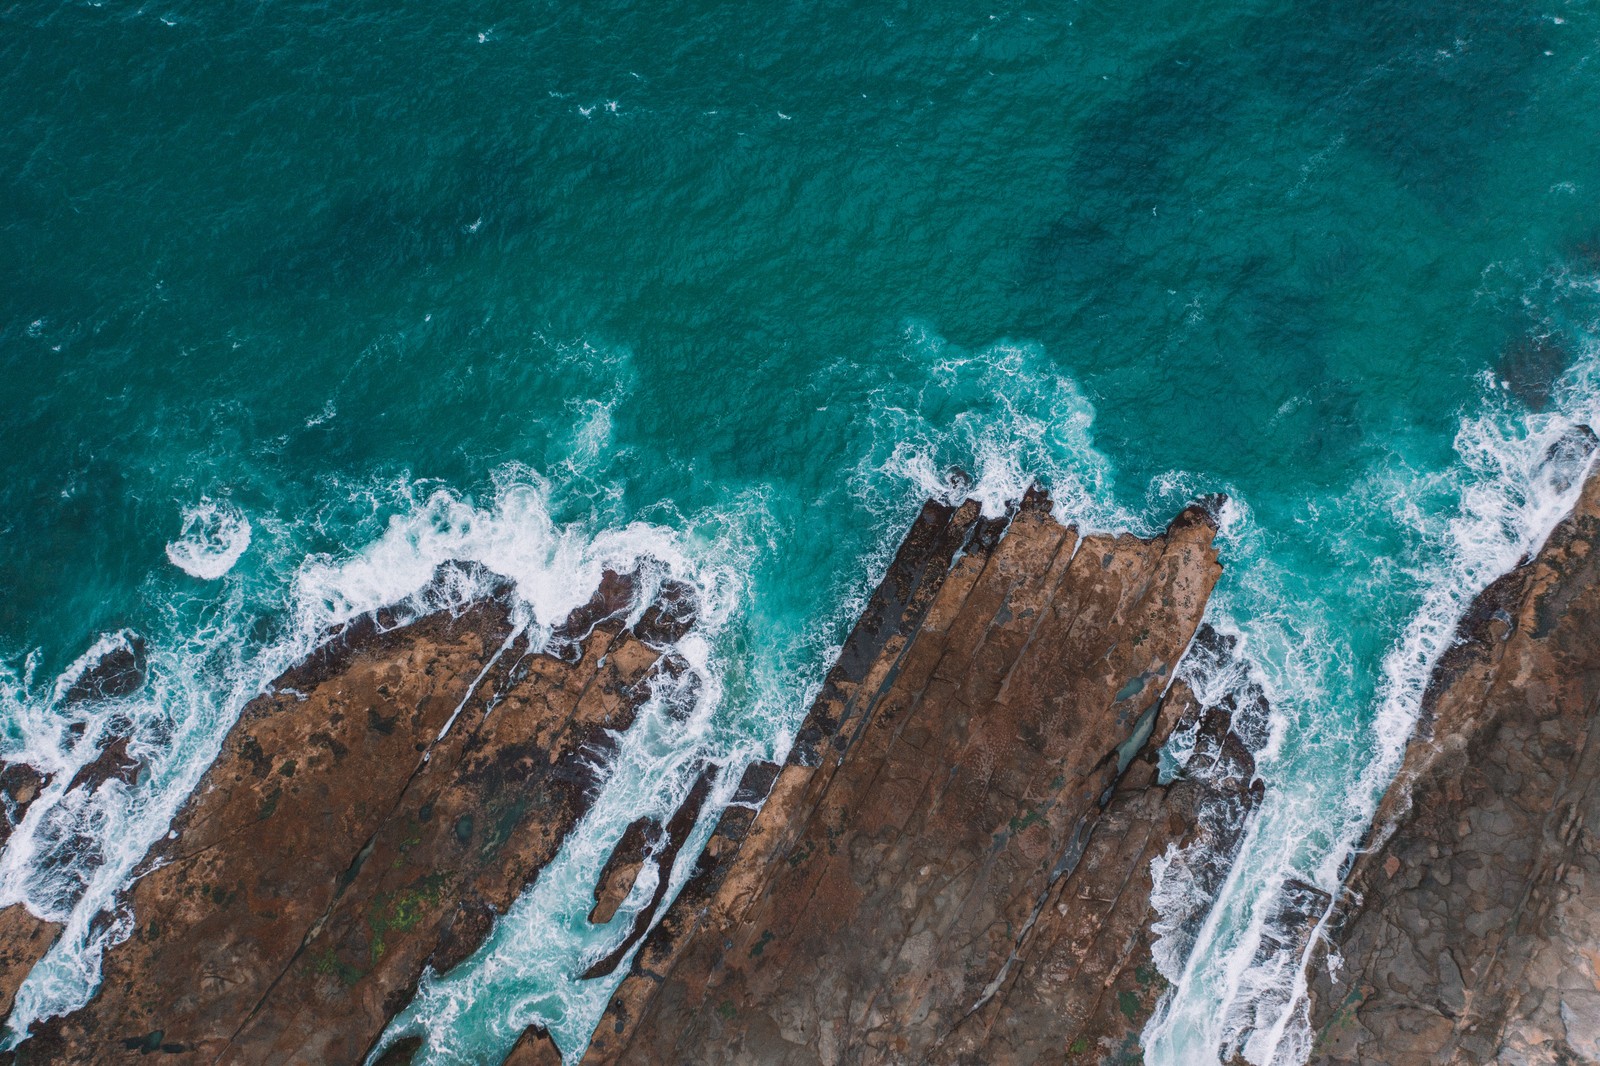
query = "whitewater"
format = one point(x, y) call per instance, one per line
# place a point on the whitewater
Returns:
point(1517, 473)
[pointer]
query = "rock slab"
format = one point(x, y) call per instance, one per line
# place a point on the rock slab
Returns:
point(369, 816)
point(1471, 927)
point(954, 864)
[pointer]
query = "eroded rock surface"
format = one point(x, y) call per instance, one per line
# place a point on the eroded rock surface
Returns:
point(367, 817)
point(954, 864)
point(24, 940)
point(1472, 929)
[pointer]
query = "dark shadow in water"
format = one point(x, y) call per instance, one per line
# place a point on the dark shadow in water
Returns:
point(485, 199)
point(1423, 87)
point(1420, 88)
point(1129, 160)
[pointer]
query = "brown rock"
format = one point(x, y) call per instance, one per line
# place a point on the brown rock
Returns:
point(973, 782)
point(622, 869)
point(1471, 919)
point(368, 817)
point(1084, 982)
point(535, 1048)
point(20, 785)
point(23, 941)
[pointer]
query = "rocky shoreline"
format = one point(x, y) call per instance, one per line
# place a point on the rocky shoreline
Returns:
point(371, 815)
point(953, 865)
point(1469, 931)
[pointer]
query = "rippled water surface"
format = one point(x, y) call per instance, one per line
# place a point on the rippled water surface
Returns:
point(298, 299)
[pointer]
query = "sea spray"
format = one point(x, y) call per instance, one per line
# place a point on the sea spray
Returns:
point(1241, 988)
point(215, 534)
point(75, 849)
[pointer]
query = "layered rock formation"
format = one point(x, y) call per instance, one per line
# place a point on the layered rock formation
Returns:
point(367, 817)
point(954, 864)
point(1471, 929)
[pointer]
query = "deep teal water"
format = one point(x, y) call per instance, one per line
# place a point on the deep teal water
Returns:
point(732, 286)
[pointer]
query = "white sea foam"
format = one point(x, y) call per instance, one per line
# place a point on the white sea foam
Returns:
point(215, 534)
point(75, 851)
point(1242, 989)
point(985, 425)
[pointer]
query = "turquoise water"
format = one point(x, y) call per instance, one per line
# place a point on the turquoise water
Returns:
point(295, 299)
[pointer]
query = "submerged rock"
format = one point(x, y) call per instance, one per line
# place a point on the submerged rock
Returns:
point(1470, 927)
point(24, 940)
point(954, 864)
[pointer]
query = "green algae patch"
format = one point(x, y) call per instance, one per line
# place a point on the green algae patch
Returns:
point(402, 910)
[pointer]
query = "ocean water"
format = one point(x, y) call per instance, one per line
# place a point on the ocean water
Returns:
point(297, 300)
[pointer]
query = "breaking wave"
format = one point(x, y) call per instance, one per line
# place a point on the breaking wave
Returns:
point(1240, 976)
point(215, 534)
point(985, 424)
point(82, 839)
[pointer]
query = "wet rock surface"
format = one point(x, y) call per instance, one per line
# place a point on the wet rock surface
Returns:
point(954, 863)
point(369, 816)
point(20, 785)
point(622, 869)
point(118, 673)
point(1471, 928)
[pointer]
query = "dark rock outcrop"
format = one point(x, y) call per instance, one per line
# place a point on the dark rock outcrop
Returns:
point(20, 785)
point(622, 869)
point(954, 864)
point(119, 672)
point(1470, 932)
point(369, 816)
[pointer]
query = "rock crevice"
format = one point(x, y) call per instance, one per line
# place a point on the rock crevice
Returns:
point(367, 817)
